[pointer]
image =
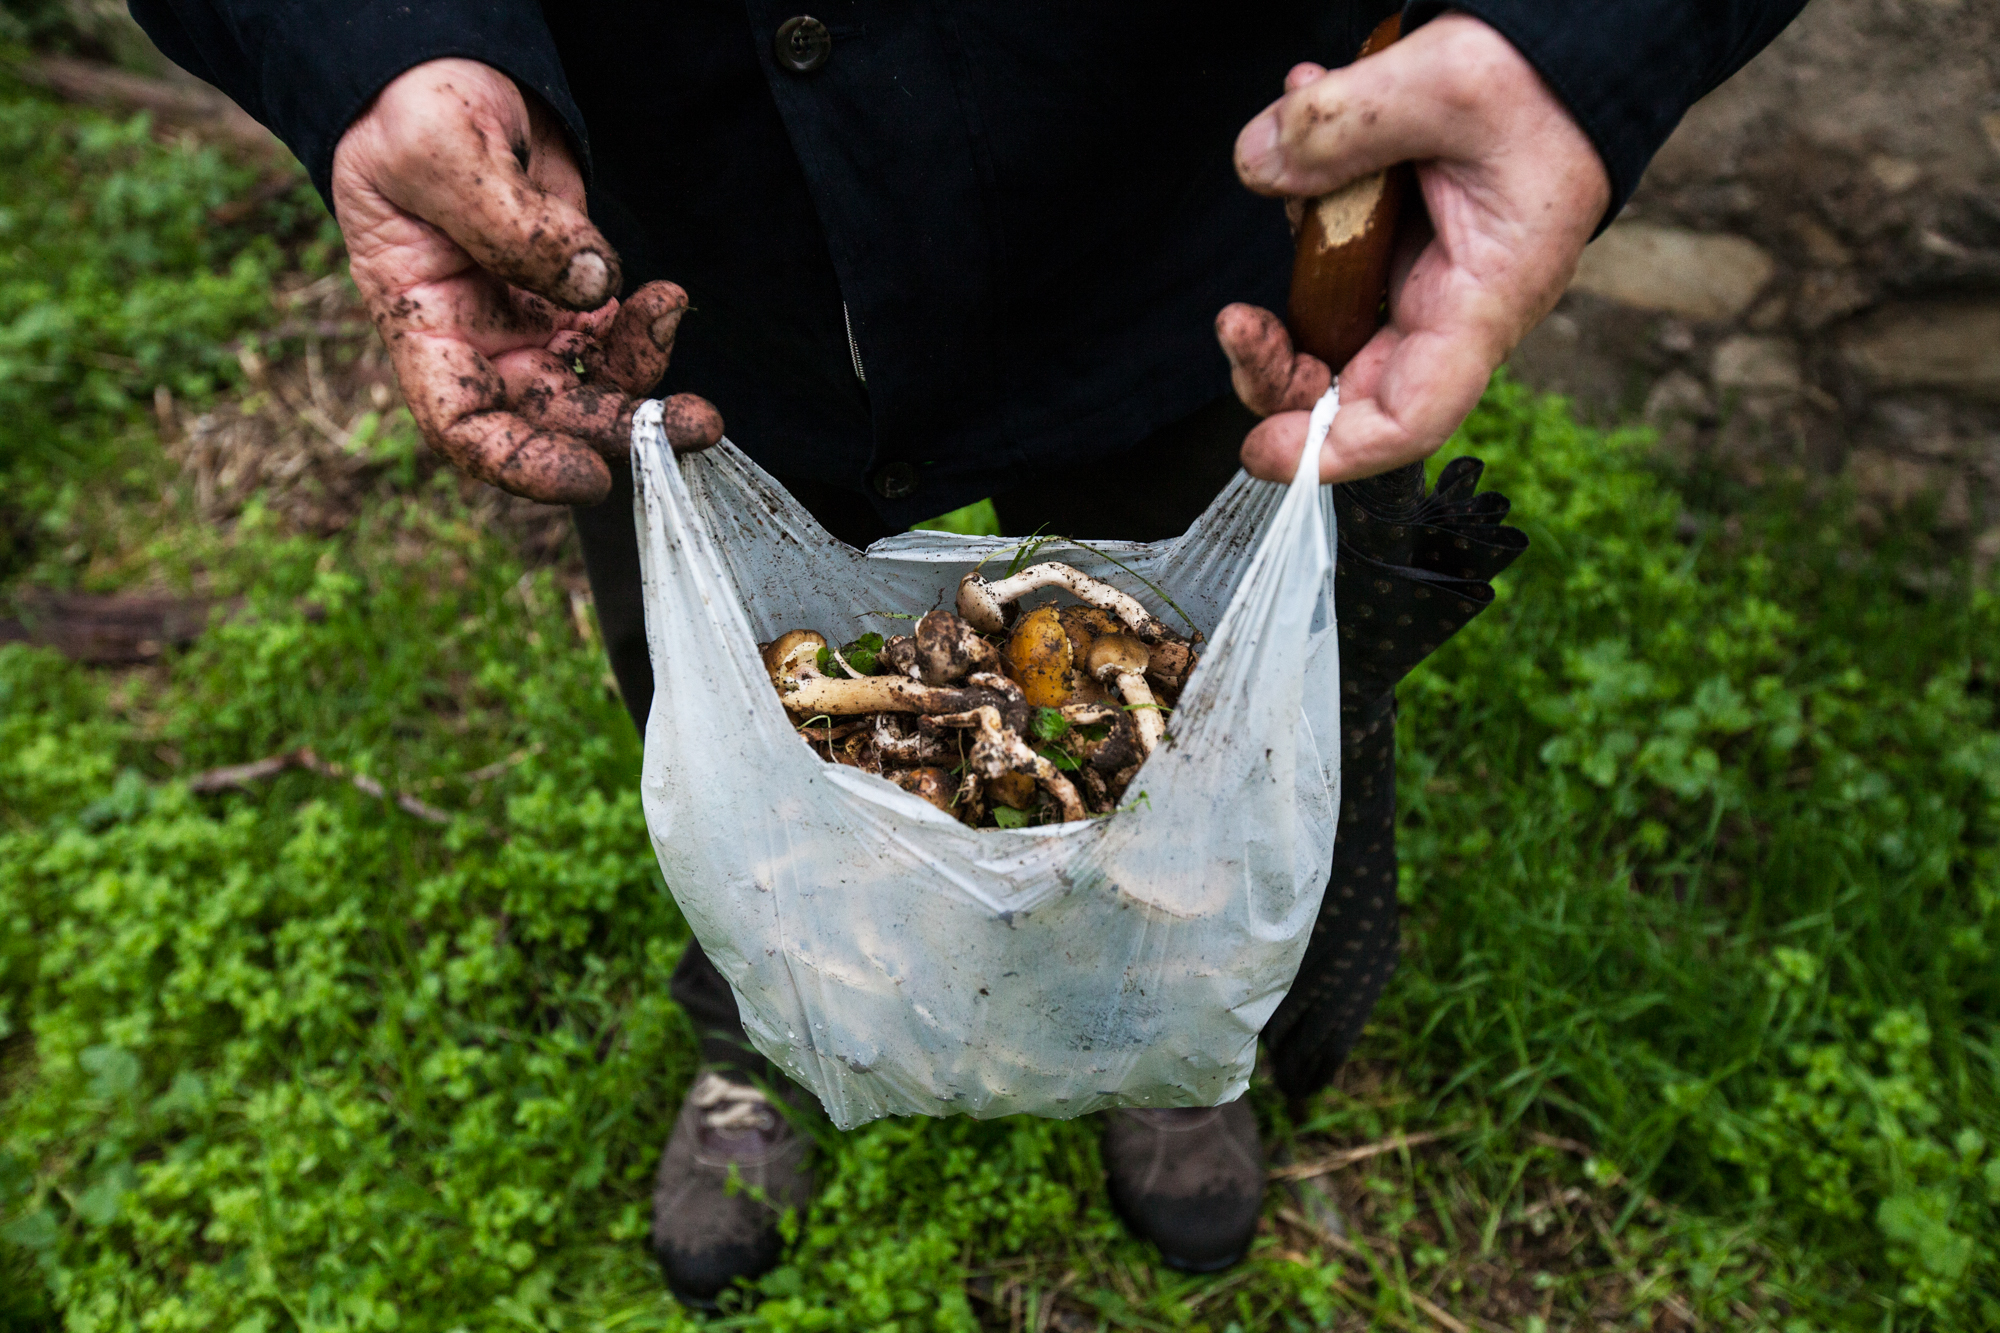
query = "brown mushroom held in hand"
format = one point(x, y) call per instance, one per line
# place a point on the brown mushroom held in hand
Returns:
point(980, 602)
point(1120, 660)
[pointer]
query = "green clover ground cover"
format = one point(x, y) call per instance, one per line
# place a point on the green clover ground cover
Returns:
point(117, 279)
point(1699, 863)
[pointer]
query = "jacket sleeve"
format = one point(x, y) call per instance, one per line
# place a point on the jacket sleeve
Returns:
point(308, 68)
point(1627, 69)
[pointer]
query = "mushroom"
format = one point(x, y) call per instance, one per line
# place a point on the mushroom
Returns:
point(971, 798)
point(948, 649)
point(1038, 656)
point(858, 751)
point(899, 750)
point(1170, 663)
point(1120, 660)
point(1012, 703)
point(1082, 624)
point(1014, 790)
point(793, 663)
point(1118, 750)
point(999, 749)
point(929, 784)
point(899, 657)
point(981, 602)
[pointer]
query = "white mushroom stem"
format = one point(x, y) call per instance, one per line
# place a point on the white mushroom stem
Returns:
point(1119, 660)
point(980, 602)
point(998, 750)
point(812, 693)
point(793, 664)
point(994, 681)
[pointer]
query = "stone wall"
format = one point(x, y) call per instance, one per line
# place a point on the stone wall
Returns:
point(1808, 281)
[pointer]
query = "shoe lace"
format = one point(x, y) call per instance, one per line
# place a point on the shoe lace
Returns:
point(730, 1106)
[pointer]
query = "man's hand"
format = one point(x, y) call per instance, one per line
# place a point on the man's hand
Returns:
point(463, 213)
point(1513, 189)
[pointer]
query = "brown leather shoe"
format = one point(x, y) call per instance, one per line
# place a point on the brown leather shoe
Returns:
point(705, 1235)
point(1190, 1180)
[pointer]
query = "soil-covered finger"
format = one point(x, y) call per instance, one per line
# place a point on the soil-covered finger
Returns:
point(691, 423)
point(544, 390)
point(476, 192)
point(1271, 449)
point(1369, 443)
point(1265, 372)
point(461, 403)
point(476, 309)
point(634, 352)
point(503, 449)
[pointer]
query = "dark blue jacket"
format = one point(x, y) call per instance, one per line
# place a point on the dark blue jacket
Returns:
point(1025, 211)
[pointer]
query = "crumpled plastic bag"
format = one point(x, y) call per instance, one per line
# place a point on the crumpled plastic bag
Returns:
point(895, 961)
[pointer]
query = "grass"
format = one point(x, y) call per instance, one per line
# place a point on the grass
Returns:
point(1695, 1025)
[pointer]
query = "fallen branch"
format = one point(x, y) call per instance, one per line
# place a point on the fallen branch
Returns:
point(1349, 1156)
point(242, 775)
point(492, 770)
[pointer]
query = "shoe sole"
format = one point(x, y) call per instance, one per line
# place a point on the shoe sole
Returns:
point(1181, 1265)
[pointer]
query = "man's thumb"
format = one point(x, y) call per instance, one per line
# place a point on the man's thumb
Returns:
point(458, 148)
point(530, 237)
point(1408, 102)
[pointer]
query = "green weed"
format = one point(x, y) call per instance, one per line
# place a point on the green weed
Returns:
point(1700, 856)
point(121, 275)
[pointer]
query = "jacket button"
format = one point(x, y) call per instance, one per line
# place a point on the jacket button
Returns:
point(896, 481)
point(803, 44)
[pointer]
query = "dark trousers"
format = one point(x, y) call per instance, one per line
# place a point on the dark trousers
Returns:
point(1164, 482)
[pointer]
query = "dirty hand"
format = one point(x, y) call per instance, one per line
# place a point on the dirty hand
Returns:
point(463, 214)
point(1514, 190)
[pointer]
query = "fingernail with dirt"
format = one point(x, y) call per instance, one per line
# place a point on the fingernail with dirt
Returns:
point(665, 326)
point(586, 282)
point(691, 423)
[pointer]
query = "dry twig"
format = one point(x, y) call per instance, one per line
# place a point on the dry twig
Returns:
point(242, 775)
point(1349, 1156)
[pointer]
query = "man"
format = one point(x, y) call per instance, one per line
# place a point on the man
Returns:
point(954, 250)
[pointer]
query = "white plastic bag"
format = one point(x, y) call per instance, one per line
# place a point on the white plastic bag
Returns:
point(897, 962)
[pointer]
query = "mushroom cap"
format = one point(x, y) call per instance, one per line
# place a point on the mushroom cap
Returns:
point(1117, 655)
point(1171, 664)
point(1039, 653)
point(784, 654)
point(928, 784)
point(899, 656)
point(1013, 790)
point(948, 650)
